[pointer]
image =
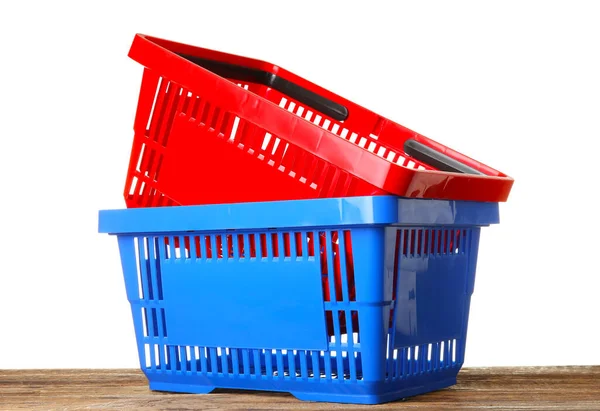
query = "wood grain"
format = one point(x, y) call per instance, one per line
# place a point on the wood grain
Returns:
point(546, 388)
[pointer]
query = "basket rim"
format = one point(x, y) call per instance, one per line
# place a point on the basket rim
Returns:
point(299, 214)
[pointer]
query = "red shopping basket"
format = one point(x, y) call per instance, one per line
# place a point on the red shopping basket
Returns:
point(213, 128)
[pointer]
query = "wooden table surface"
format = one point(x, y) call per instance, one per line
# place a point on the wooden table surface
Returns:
point(544, 388)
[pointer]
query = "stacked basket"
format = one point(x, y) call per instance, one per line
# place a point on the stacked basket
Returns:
point(315, 247)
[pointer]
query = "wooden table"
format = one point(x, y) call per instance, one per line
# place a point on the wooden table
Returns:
point(548, 388)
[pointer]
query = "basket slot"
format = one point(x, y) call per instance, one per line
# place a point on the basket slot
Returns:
point(273, 364)
point(366, 140)
point(148, 77)
point(170, 110)
point(147, 151)
point(158, 110)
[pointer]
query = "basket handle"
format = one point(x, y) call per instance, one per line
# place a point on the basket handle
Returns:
point(236, 72)
point(437, 159)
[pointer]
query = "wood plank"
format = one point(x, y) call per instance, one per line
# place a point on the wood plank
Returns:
point(529, 388)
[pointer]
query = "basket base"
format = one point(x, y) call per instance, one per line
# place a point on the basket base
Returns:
point(347, 398)
point(181, 388)
point(375, 398)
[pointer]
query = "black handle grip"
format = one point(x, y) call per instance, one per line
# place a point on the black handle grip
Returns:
point(296, 92)
point(436, 159)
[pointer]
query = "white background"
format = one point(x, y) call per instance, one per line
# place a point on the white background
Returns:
point(515, 85)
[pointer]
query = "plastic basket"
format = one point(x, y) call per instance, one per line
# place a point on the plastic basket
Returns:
point(262, 318)
point(216, 128)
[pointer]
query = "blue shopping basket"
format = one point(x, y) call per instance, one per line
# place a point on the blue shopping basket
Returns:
point(355, 300)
